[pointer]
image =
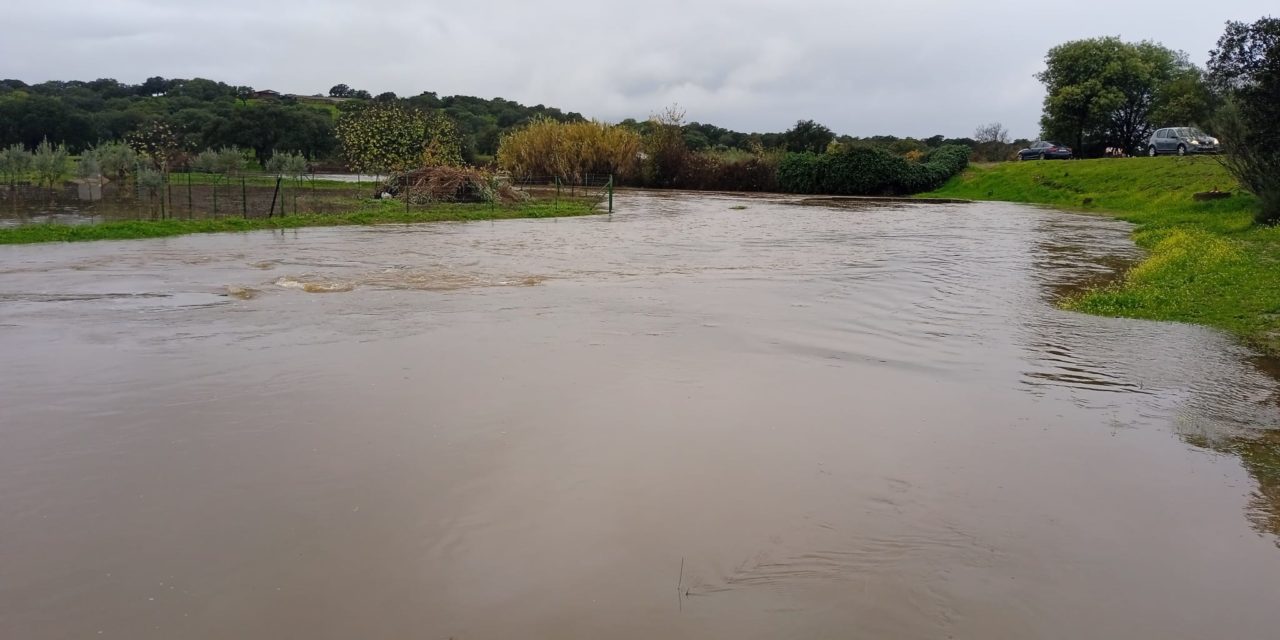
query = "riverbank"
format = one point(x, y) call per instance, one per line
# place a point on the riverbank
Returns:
point(368, 213)
point(1207, 262)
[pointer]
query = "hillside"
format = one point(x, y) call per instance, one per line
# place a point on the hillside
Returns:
point(1207, 263)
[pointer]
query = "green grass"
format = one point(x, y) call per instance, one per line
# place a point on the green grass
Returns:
point(1207, 263)
point(370, 213)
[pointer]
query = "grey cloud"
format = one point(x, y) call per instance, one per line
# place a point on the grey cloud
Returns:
point(913, 67)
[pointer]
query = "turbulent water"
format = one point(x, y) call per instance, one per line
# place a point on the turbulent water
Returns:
point(684, 420)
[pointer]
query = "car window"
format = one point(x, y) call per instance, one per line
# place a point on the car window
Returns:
point(1184, 133)
point(1164, 133)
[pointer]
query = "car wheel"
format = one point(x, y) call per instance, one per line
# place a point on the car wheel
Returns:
point(1041, 157)
point(1182, 150)
point(1151, 151)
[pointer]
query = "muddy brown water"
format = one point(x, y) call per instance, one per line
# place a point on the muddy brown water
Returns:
point(684, 420)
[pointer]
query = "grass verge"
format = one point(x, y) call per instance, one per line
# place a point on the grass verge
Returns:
point(1207, 263)
point(369, 213)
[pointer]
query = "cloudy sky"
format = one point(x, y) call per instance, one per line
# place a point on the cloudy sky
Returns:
point(903, 67)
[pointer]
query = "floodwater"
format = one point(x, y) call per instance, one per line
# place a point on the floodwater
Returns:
point(684, 420)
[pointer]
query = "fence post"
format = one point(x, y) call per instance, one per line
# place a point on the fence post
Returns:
point(272, 211)
point(215, 197)
point(190, 201)
point(557, 189)
point(244, 199)
point(611, 193)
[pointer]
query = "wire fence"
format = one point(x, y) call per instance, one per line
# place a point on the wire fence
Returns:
point(192, 195)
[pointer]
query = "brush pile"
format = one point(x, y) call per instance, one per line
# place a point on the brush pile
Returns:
point(451, 184)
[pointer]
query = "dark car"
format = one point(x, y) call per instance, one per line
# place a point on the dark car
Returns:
point(1045, 151)
point(1181, 141)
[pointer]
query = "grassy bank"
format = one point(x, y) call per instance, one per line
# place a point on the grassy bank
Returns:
point(369, 213)
point(1206, 264)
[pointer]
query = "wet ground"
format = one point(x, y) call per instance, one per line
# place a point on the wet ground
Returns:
point(684, 420)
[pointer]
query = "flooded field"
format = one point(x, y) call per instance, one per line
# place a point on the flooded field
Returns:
point(688, 419)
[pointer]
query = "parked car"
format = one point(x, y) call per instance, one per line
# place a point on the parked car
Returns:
point(1181, 141)
point(1045, 151)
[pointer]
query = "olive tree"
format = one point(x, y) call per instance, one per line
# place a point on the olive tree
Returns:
point(51, 164)
point(15, 161)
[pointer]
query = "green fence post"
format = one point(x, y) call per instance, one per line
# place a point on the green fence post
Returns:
point(611, 193)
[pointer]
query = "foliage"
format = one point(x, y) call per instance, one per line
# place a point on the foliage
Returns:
point(1207, 262)
point(1245, 67)
point(382, 137)
point(226, 161)
point(1103, 92)
point(666, 153)
point(570, 150)
point(992, 143)
point(291, 165)
point(15, 161)
point(51, 164)
point(116, 159)
point(807, 135)
point(156, 143)
point(865, 171)
point(89, 168)
point(727, 171)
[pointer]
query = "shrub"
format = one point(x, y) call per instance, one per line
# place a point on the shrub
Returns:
point(720, 171)
point(14, 163)
point(570, 150)
point(866, 171)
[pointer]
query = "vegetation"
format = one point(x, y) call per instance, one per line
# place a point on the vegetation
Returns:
point(1245, 69)
point(15, 161)
point(548, 148)
point(205, 114)
point(1105, 93)
point(868, 172)
point(386, 137)
point(1207, 262)
point(371, 212)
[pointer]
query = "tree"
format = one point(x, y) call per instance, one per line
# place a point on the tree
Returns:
point(386, 96)
point(385, 137)
point(1101, 91)
point(994, 132)
point(807, 135)
point(991, 143)
point(14, 163)
point(1245, 69)
point(340, 91)
point(361, 95)
point(51, 164)
point(157, 143)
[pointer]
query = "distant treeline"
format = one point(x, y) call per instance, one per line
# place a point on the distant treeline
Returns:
point(205, 114)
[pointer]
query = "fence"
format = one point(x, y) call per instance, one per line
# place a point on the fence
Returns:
point(247, 195)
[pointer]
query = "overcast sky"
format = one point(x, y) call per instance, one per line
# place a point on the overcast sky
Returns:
point(903, 67)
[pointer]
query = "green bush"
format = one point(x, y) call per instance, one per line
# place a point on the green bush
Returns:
point(862, 171)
